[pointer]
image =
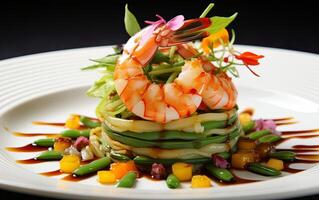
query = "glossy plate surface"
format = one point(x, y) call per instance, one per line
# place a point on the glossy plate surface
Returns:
point(50, 86)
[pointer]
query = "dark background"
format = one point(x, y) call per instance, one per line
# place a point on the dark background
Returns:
point(28, 27)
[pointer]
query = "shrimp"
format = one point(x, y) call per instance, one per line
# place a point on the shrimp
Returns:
point(219, 91)
point(170, 101)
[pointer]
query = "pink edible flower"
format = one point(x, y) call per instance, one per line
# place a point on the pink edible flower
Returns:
point(158, 171)
point(220, 162)
point(172, 24)
point(268, 124)
point(81, 142)
point(175, 23)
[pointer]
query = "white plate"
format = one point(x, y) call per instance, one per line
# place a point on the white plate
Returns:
point(50, 86)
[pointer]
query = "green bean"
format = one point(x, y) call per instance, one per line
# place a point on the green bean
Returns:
point(47, 142)
point(262, 169)
point(85, 133)
point(93, 166)
point(234, 148)
point(224, 155)
point(269, 138)
point(75, 133)
point(247, 127)
point(118, 156)
point(172, 182)
point(257, 134)
point(172, 134)
point(234, 134)
point(89, 123)
point(222, 174)
point(284, 155)
point(167, 144)
point(218, 124)
point(213, 124)
point(128, 180)
point(142, 160)
point(50, 155)
point(165, 135)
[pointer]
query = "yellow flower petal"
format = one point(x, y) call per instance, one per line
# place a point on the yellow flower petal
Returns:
point(214, 40)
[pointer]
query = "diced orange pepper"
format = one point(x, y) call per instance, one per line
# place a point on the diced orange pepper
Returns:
point(246, 144)
point(120, 169)
point(239, 160)
point(73, 122)
point(62, 143)
point(214, 40)
point(131, 166)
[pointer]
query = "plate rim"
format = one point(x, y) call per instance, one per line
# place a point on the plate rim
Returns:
point(8, 185)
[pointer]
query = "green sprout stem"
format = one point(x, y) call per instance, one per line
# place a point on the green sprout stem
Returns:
point(165, 71)
point(206, 11)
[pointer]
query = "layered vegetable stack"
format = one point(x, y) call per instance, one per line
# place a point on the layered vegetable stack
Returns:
point(193, 139)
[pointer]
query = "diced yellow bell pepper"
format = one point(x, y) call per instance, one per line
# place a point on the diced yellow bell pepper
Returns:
point(61, 144)
point(214, 40)
point(244, 118)
point(276, 164)
point(69, 163)
point(73, 122)
point(201, 181)
point(183, 171)
point(106, 177)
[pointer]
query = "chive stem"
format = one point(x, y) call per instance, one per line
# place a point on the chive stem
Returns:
point(165, 71)
point(171, 52)
point(172, 77)
point(206, 11)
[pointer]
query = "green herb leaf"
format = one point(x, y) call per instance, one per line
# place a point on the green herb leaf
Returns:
point(218, 23)
point(91, 67)
point(108, 60)
point(233, 71)
point(131, 24)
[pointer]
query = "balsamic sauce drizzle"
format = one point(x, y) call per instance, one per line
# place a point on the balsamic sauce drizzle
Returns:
point(301, 150)
point(27, 148)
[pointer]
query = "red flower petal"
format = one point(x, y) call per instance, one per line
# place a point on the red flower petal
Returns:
point(249, 58)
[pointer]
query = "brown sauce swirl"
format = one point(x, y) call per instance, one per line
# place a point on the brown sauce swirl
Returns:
point(299, 149)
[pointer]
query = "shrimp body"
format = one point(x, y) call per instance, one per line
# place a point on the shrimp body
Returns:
point(170, 101)
point(220, 92)
point(217, 90)
point(145, 99)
